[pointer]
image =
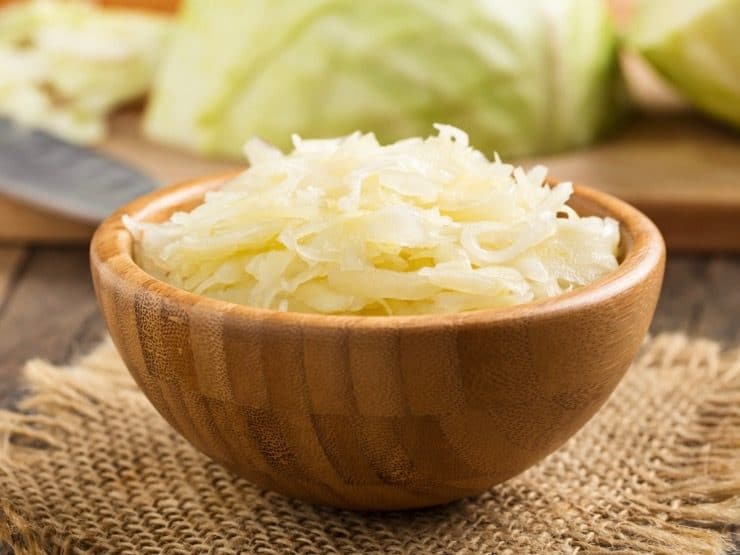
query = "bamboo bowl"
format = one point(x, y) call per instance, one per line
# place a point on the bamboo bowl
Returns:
point(376, 412)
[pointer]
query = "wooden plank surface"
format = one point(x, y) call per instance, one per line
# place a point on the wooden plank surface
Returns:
point(48, 310)
point(21, 223)
point(10, 261)
point(673, 159)
point(680, 169)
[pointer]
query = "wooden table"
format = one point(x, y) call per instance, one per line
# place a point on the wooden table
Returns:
point(48, 308)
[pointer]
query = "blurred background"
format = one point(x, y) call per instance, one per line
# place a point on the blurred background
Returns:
point(638, 98)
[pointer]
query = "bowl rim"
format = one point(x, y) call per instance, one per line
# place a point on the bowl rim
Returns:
point(112, 244)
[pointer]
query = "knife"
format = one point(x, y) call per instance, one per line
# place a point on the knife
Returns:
point(39, 169)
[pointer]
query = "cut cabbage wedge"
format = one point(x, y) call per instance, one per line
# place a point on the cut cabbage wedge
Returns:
point(521, 77)
point(695, 44)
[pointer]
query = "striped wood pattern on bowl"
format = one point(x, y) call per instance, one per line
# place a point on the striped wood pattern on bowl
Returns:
point(376, 412)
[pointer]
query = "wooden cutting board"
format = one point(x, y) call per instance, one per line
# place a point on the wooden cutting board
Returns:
point(681, 170)
point(21, 223)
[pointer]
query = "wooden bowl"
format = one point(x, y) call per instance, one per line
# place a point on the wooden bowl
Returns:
point(376, 412)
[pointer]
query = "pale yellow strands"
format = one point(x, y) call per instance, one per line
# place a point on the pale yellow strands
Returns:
point(64, 66)
point(349, 226)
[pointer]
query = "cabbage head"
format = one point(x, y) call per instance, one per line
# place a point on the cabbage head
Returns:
point(523, 77)
point(695, 44)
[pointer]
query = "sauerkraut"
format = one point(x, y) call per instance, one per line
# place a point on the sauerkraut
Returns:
point(349, 226)
point(65, 65)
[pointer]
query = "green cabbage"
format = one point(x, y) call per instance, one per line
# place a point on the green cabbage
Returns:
point(65, 65)
point(522, 77)
point(695, 44)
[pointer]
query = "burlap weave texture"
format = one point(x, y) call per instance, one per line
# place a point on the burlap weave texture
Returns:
point(90, 467)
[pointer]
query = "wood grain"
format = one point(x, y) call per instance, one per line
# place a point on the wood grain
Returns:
point(718, 314)
point(21, 223)
point(10, 260)
point(682, 171)
point(50, 312)
point(674, 160)
point(376, 413)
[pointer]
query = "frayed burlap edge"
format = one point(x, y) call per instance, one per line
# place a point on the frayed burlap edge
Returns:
point(686, 498)
point(54, 402)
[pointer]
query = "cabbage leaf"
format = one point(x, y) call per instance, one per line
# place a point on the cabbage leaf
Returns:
point(523, 77)
point(695, 44)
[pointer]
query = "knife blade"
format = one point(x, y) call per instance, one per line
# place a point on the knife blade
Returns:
point(42, 170)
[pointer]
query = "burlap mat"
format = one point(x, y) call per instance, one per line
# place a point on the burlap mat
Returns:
point(90, 467)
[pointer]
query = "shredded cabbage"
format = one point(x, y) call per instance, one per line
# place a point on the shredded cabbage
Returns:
point(65, 65)
point(349, 226)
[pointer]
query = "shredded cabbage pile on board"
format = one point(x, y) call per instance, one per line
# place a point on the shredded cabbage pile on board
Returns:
point(65, 65)
point(349, 226)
